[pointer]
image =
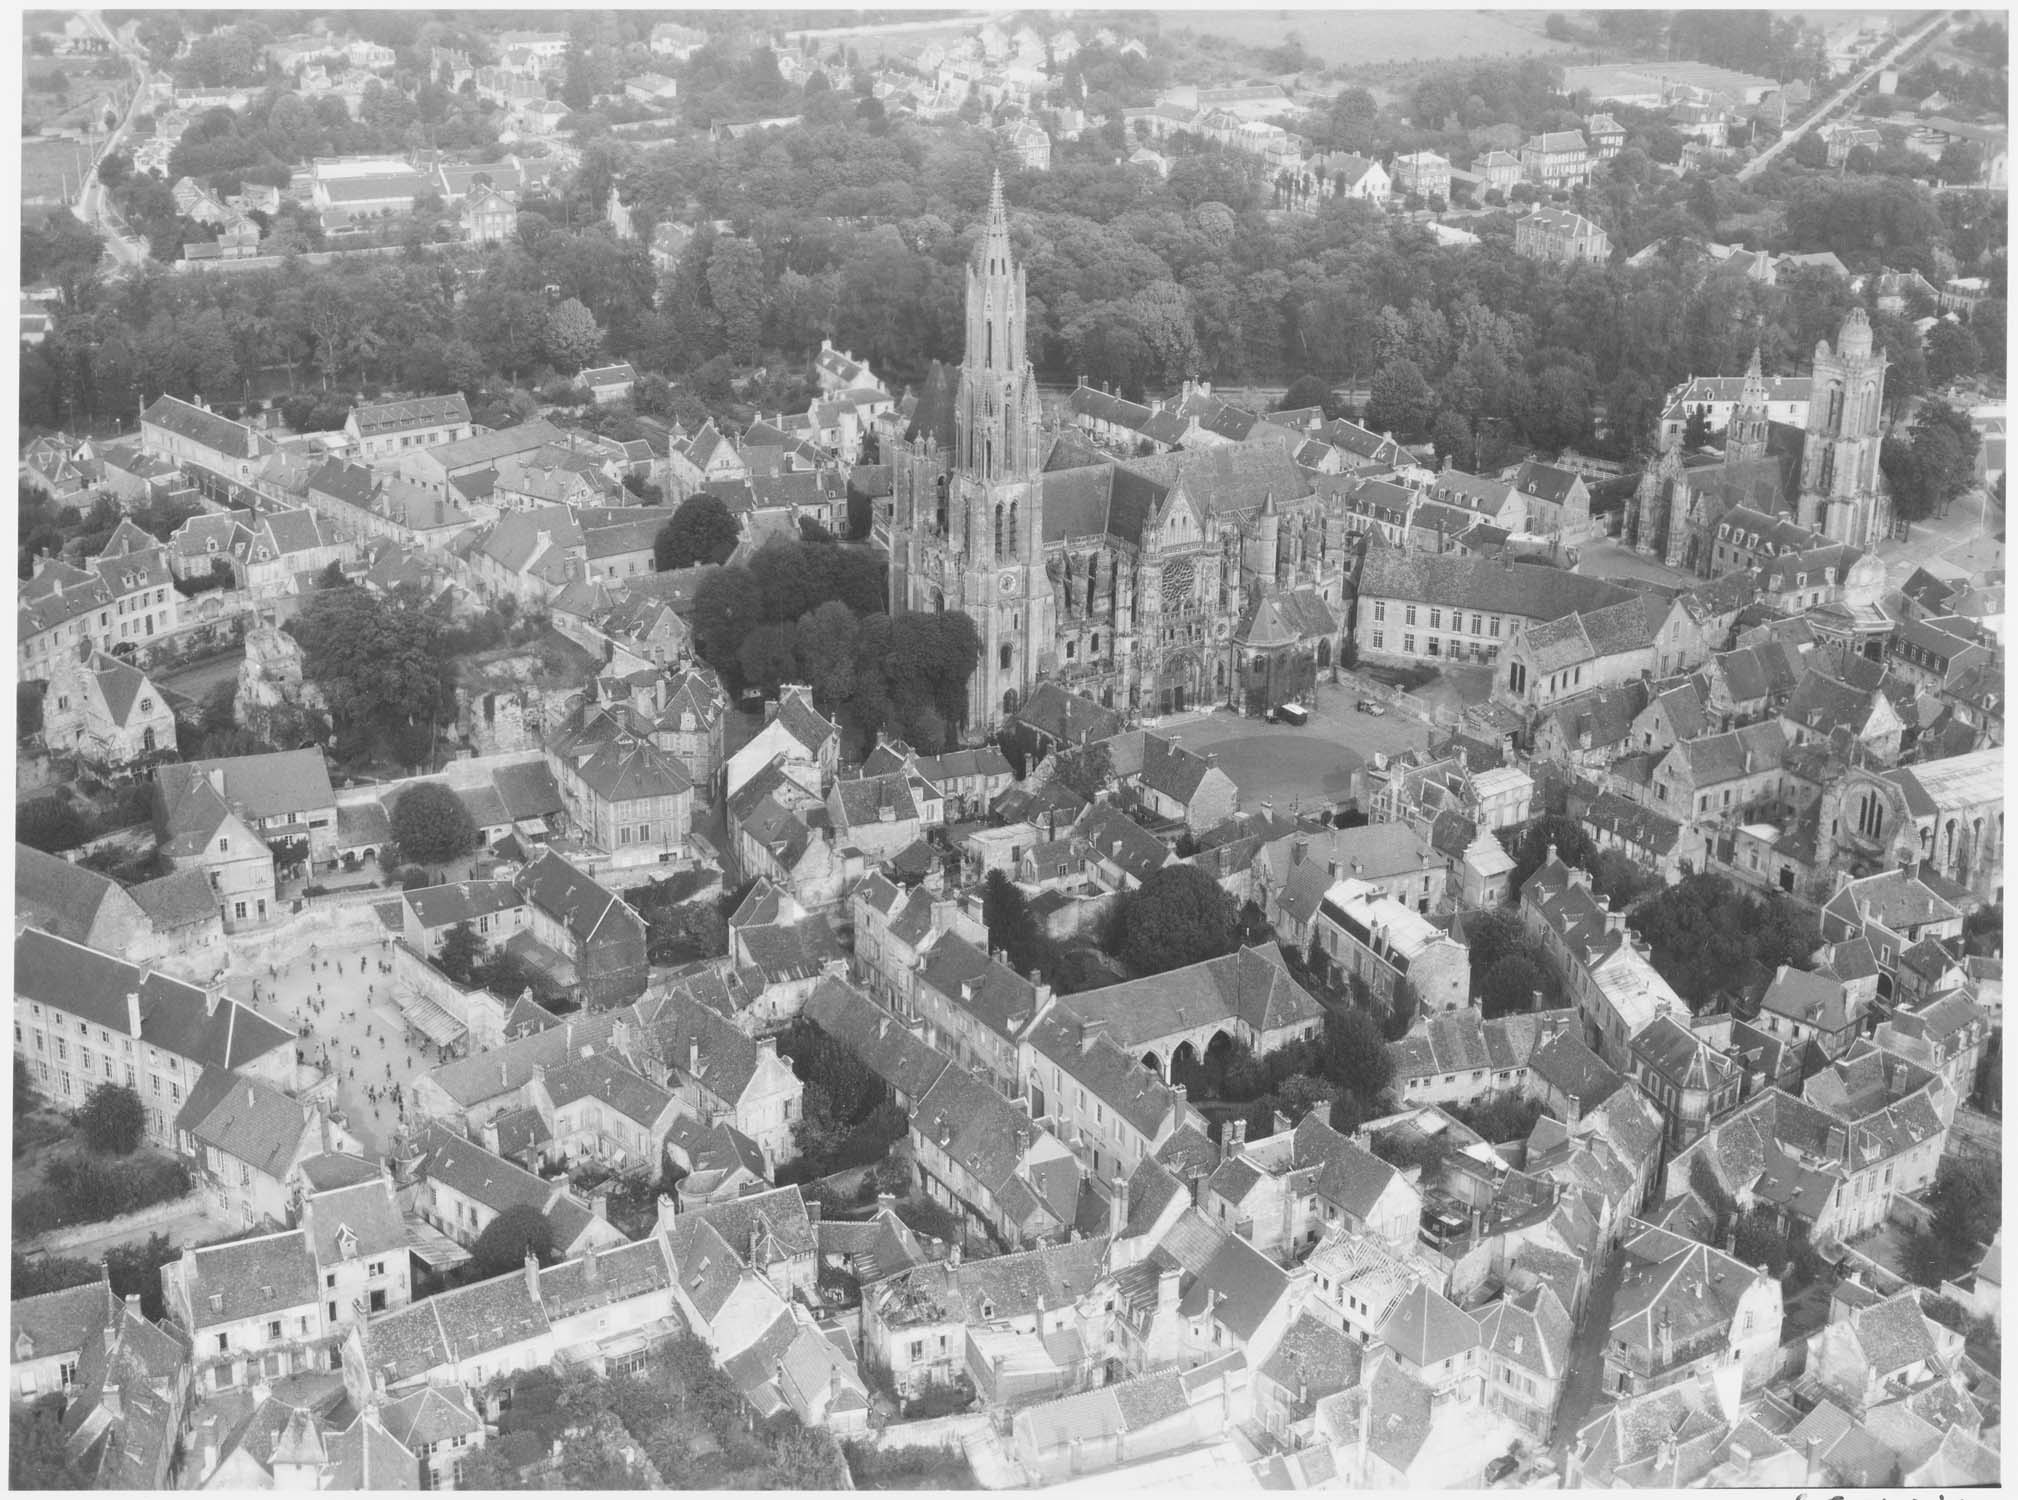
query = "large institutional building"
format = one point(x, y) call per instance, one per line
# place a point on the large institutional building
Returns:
point(1140, 583)
point(1823, 475)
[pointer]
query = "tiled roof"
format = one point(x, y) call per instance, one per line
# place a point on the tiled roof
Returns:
point(247, 1120)
point(1252, 986)
point(252, 1278)
point(346, 1223)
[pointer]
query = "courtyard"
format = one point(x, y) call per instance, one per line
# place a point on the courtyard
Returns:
point(338, 1001)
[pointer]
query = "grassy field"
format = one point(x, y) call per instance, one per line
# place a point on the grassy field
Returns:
point(44, 164)
point(85, 97)
point(1356, 37)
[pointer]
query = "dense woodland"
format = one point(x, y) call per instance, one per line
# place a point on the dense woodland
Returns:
point(851, 227)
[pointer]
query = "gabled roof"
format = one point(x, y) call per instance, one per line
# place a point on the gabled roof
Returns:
point(246, 1119)
point(360, 1220)
point(176, 1017)
point(578, 903)
point(1426, 1328)
point(249, 1278)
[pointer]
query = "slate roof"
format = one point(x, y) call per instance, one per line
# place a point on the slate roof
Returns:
point(578, 903)
point(1246, 1284)
point(1171, 769)
point(1531, 592)
point(93, 986)
point(1068, 717)
point(200, 426)
point(63, 898)
point(478, 1175)
point(272, 785)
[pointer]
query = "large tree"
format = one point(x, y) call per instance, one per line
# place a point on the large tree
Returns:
point(1178, 916)
point(701, 531)
point(572, 337)
point(430, 825)
point(113, 1120)
point(378, 661)
point(519, 1231)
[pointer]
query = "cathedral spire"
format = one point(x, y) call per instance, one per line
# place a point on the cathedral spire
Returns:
point(1755, 380)
point(995, 241)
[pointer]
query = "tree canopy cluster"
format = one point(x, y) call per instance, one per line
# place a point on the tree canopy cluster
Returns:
point(1177, 917)
point(813, 613)
point(1710, 938)
point(1932, 463)
point(382, 668)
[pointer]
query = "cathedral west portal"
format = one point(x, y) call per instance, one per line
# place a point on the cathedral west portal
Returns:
point(1137, 582)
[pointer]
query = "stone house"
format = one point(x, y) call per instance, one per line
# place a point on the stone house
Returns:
point(598, 936)
point(106, 712)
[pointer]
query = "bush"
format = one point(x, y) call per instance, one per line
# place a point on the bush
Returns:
point(81, 1189)
point(49, 824)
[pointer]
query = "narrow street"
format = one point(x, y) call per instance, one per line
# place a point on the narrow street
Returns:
point(1583, 1392)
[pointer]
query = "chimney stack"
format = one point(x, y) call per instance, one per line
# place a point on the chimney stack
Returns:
point(533, 1275)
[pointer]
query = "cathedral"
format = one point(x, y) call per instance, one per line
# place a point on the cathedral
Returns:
point(1139, 582)
point(1823, 476)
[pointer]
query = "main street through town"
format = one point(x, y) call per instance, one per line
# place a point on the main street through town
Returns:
point(1759, 163)
point(94, 206)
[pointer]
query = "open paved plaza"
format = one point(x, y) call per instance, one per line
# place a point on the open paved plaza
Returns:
point(1308, 768)
point(338, 1001)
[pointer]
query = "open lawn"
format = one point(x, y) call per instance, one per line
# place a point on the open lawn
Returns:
point(1359, 37)
point(46, 166)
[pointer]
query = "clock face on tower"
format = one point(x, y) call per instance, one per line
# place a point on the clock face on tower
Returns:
point(1008, 583)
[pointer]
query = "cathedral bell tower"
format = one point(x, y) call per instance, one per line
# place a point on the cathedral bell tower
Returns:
point(997, 493)
point(1839, 460)
point(980, 547)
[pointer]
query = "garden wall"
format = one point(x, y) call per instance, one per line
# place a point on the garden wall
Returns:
point(149, 1218)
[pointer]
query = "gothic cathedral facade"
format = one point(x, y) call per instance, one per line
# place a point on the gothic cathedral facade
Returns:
point(1138, 582)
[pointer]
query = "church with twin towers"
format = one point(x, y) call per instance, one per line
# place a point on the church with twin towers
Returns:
point(1151, 584)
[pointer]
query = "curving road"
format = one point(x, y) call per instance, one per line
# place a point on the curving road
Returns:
point(1759, 163)
point(93, 204)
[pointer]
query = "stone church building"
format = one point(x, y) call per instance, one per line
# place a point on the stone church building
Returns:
point(1137, 582)
point(1823, 477)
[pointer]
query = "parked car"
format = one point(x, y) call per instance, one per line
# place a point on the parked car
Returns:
point(1290, 713)
point(1369, 707)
